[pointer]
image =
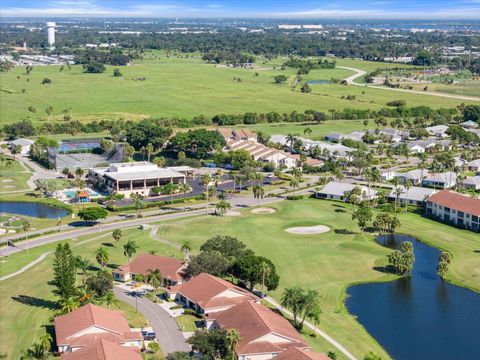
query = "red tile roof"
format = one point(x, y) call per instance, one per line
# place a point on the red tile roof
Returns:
point(253, 322)
point(204, 289)
point(300, 354)
point(69, 325)
point(169, 267)
point(456, 201)
point(102, 349)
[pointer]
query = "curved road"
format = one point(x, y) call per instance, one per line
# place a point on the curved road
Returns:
point(359, 73)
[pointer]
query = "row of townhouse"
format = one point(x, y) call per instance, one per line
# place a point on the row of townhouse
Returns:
point(326, 150)
point(444, 180)
point(264, 333)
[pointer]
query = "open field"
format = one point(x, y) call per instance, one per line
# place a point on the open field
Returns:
point(329, 262)
point(182, 87)
point(14, 178)
point(318, 130)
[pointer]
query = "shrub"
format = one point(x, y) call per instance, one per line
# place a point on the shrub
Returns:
point(295, 197)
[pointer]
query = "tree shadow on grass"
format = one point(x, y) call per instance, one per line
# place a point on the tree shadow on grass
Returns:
point(107, 244)
point(383, 269)
point(344, 232)
point(93, 268)
point(476, 251)
point(113, 266)
point(34, 301)
point(340, 210)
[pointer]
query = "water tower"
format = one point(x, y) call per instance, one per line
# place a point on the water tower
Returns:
point(51, 33)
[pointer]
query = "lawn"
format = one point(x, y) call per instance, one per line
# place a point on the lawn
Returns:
point(171, 83)
point(187, 322)
point(13, 178)
point(328, 262)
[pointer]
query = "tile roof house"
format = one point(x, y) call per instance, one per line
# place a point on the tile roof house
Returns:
point(237, 134)
point(82, 327)
point(264, 332)
point(172, 269)
point(101, 349)
point(206, 293)
point(455, 208)
point(294, 353)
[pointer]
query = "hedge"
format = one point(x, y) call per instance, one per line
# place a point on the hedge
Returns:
point(295, 197)
point(149, 205)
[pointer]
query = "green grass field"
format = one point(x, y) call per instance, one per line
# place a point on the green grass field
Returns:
point(328, 262)
point(13, 178)
point(182, 87)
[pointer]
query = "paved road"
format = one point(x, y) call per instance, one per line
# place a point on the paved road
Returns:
point(169, 335)
point(237, 202)
point(351, 80)
point(323, 334)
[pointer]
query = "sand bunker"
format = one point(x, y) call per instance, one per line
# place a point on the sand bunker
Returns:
point(308, 230)
point(264, 210)
point(233, 213)
point(10, 187)
point(7, 180)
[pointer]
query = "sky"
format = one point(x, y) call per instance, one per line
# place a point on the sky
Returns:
point(359, 9)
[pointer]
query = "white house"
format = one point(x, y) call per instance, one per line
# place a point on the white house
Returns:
point(437, 130)
point(474, 165)
point(444, 180)
point(337, 191)
point(472, 183)
point(334, 137)
point(25, 145)
point(415, 195)
point(415, 176)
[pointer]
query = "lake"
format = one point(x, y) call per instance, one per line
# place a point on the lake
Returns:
point(318, 82)
point(419, 317)
point(33, 209)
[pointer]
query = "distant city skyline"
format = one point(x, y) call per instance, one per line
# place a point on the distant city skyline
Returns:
point(301, 9)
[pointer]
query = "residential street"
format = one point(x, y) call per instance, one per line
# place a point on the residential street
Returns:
point(168, 334)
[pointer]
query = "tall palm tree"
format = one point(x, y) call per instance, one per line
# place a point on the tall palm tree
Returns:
point(68, 304)
point(186, 248)
point(292, 298)
point(265, 269)
point(258, 193)
point(149, 150)
point(233, 339)
point(83, 264)
point(129, 249)
point(101, 255)
point(408, 185)
point(155, 279)
point(79, 172)
point(184, 189)
point(138, 203)
point(307, 131)
point(26, 226)
point(109, 299)
point(294, 184)
point(45, 341)
point(206, 179)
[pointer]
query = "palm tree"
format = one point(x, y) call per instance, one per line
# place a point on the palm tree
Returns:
point(223, 206)
point(149, 150)
point(26, 226)
point(292, 298)
point(408, 185)
point(291, 139)
point(159, 161)
point(233, 339)
point(83, 264)
point(170, 189)
point(129, 249)
point(101, 255)
point(307, 131)
point(138, 203)
point(36, 352)
point(117, 236)
point(294, 184)
point(46, 342)
point(79, 172)
point(155, 279)
point(186, 248)
point(206, 179)
point(109, 299)
point(66, 172)
point(184, 189)
point(265, 269)
point(68, 304)
point(258, 192)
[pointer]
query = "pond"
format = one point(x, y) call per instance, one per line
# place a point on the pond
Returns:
point(33, 209)
point(318, 82)
point(419, 317)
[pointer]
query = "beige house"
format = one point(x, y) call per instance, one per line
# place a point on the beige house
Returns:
point(89, 323)
point(134, 177)
point(206, 293)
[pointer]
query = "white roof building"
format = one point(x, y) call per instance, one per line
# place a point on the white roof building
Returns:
point(415, 195)
point(472, 182)
point(444, 180)
point(336, 191)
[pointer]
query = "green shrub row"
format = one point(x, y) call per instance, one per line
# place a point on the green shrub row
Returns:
point(149, 205)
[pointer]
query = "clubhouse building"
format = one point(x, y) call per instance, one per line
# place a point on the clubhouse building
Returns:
point(134, 177)
point(451, 207)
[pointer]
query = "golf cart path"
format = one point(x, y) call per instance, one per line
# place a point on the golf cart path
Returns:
point(26, 267)
point(323, 334)
point(359, 73)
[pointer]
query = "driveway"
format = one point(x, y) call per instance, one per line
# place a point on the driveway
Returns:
point(169, 335)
